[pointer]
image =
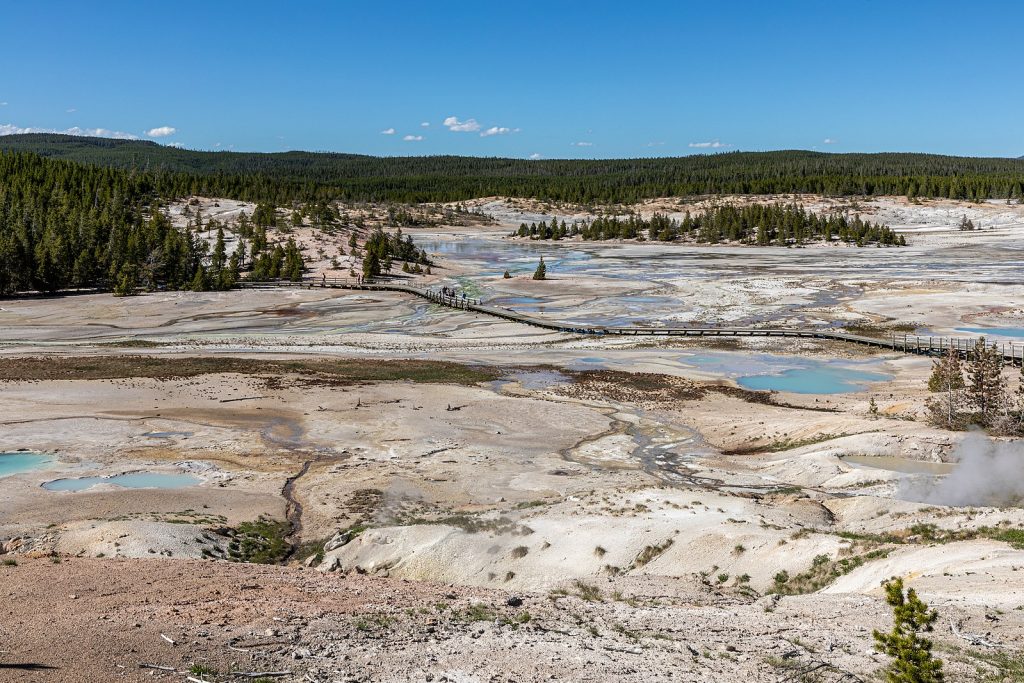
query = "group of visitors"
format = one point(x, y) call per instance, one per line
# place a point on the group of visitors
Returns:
point(451, 293)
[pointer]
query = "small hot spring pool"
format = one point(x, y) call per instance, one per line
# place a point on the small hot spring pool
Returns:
point(14, 463)
point(135, 480)
point(900, 465)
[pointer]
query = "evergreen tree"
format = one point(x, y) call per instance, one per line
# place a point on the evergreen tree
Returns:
point(219, 257)
point(542, 271)
point(239, 254)
point(371, 265)
point(912, 655)
point(227, 276)
point(947, 380)
point(294, 265)
point(986, 387)
point(265, 215)
point(126, 282)
point(1019, 422)
point(200, 281)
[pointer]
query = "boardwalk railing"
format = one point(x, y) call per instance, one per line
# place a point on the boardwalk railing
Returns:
point(1012, 353)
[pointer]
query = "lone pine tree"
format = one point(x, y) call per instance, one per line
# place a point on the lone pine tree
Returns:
point(542, 271)
point(912, 655)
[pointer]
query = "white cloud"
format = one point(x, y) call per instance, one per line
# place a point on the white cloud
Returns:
point(655, 144)
point(388, 131)
point(72, 110)
point(11, 129)
point(425, 124)
point(582, 144)
point(176, 145)
point(710, 144)
point(161, 132)
point(456, 126)
point(413, 138)
point(829, 141)
point(497, 130)
point(3, 104)
point(536, 155)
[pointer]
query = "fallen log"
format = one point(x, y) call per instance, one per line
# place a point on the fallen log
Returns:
point(263, 674)
point(972, 638)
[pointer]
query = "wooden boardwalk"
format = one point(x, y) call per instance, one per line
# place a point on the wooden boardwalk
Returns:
point(1013, 353)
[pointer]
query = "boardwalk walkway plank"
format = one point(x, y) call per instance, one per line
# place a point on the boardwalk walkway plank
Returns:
point(910, 344)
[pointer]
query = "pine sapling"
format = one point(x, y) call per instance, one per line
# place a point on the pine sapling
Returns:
point(912, 654)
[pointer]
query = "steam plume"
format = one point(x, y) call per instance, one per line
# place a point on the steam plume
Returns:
point(988, 473)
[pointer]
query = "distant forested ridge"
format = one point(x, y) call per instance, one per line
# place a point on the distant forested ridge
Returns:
point(311, 176)
point(87, 212)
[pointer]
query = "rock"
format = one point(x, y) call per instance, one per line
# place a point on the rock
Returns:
point(514, 601)
point(768, 602)
point(12, 545)
point(337, 541)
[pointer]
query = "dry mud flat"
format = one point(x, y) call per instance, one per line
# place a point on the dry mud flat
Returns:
point(106, 618)
point(607, 503)
point(945, 279)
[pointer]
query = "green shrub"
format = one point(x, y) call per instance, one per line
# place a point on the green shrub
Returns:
point(912, 654)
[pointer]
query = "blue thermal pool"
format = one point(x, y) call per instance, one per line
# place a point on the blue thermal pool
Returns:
point(825, 380)
point(795, 375)
point(13, 463)
point(136, 480)
point(1016, 332)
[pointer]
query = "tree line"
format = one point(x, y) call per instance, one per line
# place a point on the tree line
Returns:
point(282, 177)
point(68, 226)
point(762, 224)
point(382, 249)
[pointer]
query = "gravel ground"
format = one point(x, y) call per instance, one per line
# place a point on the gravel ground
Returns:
point(98, 620)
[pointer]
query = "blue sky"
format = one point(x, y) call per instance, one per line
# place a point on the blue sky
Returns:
point(556, 79)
